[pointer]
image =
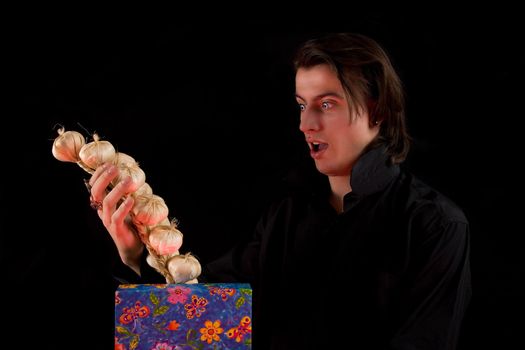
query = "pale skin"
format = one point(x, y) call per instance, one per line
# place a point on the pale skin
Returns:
point(336, 138)
point(115, 217)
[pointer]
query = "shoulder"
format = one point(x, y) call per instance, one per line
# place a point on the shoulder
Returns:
point(434, 224)
point(427, 206)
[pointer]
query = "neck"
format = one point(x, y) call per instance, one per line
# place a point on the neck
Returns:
point(339, 187)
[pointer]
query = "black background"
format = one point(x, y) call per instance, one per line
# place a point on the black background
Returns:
point(205, 105)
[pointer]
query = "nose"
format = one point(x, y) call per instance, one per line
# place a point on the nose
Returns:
point(309, 121)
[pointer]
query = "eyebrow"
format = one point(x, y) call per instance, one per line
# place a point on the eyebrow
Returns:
point(323, 95)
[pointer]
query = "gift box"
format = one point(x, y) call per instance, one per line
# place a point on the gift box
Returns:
point(183, 316)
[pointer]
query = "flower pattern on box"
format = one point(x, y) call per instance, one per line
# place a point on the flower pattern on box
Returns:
point(183, 316)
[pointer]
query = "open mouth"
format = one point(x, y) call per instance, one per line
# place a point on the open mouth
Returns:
point(317, 147)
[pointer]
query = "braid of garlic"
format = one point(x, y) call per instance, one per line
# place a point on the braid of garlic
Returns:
point(158, 262)
point(163, 242)
point(149, 214)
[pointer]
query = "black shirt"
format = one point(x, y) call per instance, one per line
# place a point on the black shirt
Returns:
point(390, 272)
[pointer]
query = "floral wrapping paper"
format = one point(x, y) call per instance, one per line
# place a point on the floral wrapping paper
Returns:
point(183, 316)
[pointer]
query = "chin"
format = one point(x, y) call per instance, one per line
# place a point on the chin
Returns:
point(331, 171)
point(324, 170)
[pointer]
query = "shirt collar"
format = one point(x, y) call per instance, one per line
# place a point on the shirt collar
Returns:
point(372, 172)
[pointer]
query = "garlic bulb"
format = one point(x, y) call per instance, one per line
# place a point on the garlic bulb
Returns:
point(165, 239)
point(67, 145)
point(137, 175)
point(123, 158)
point(97, 152)
point(160, 263)
point(149, 210)
point(144, 230)
point(145, 189)
point(184, 268)
point(165, 222)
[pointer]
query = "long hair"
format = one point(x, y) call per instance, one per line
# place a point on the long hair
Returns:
point(370, 82)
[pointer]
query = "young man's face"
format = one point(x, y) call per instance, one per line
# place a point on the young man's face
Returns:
point(335, 136)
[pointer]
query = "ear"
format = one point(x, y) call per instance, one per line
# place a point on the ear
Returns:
point(373, 118)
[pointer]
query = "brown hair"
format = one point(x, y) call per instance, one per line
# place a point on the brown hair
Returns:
point(369, 80)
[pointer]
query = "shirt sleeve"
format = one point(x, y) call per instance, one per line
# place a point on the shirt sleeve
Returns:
point(240, 264)
point(437, 289)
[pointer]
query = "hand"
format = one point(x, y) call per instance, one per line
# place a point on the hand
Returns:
point(114, 213)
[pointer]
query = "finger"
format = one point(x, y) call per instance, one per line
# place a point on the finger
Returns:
point(100, 184)
point(118, 219)
point(99, 171)
point(122, 211)
point(109, 204)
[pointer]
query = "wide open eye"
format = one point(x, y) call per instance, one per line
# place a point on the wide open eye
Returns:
point(302, 107)
point(326, 105)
